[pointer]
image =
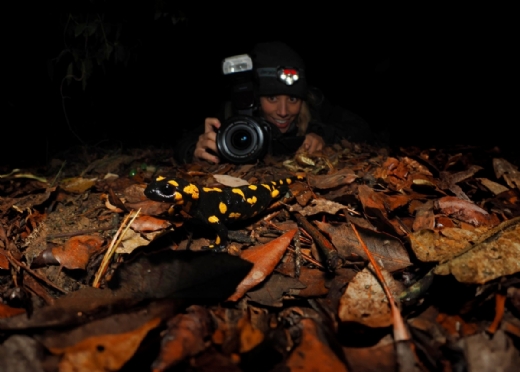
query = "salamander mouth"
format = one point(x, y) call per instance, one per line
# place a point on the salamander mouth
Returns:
point(157, 194)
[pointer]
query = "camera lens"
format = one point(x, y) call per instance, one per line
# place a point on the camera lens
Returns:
point(242, 139)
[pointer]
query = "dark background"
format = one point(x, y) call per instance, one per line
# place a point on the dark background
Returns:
point(426, 75)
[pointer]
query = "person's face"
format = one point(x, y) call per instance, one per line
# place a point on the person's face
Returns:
point(280, 110)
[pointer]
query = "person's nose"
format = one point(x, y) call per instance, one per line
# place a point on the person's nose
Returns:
point(282, 109)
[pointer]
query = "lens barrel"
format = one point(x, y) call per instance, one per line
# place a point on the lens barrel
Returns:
point(243, 139)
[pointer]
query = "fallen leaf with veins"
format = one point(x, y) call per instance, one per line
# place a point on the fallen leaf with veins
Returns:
point(365, 302)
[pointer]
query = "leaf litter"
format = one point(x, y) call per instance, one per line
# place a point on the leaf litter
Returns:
point(441, 228)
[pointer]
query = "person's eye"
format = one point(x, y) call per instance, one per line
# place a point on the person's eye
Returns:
point(294, 99)
point(272, 99)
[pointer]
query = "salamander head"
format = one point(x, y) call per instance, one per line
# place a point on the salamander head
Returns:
point(175, 191)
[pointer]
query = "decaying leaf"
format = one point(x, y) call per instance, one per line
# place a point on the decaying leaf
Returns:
point(388, 250)
point(329, 181)
point(131, 240)
point(149, 223)
point(374, 206)
point(4, 262)
point(494, 187)
point(313, 353)
point(505, 169)
point(185, 337)
point(77, 185)
point(8, 311)
point(322, 206)
point(430, 246)
point(272, 291)
point(264, 259)
point(465, 211)
point(103, 353)
point(365, 302)
point(494, 256)
point(77, 251)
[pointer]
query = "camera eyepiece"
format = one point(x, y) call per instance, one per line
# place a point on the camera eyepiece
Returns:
point(243, 139)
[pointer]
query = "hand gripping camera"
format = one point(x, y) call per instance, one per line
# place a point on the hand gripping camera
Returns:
point(244, 136)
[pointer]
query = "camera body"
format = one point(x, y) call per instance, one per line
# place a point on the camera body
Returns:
point(244, 136)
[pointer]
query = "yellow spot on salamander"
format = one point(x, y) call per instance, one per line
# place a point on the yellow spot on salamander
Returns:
point(274, 193)
point(266, 186)
point(192, 190)
point(173, 183)
point(239, 192)
point(288, 181)
point(217, 240)
point(208, 189)
point(213, 219)
point(234, 215)
point(160, 178)
point(177, 196)
point(252, 187)
point(273, 183)
point(222, 207)
point(252, 200)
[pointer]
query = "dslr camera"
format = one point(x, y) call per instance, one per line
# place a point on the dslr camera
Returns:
point(244, 136)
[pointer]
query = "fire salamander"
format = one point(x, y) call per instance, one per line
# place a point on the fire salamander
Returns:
point(215, 206)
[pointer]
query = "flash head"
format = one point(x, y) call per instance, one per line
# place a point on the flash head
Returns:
point(239, 63)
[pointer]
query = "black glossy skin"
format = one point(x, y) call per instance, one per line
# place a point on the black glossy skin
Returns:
point(217, 207)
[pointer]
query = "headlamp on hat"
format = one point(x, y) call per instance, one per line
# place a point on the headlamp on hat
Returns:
point(288, 75)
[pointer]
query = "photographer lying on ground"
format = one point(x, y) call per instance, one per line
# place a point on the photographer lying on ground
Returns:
point(284, 113)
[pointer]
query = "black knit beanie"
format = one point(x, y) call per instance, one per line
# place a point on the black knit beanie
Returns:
point(269, 59)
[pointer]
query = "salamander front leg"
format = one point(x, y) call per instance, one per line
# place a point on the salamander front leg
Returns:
point(221, 240)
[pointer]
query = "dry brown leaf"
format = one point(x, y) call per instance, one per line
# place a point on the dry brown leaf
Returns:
point(8, 311)
point(186, 336)
point(374, 206)
point(131, 240)
point(250, 336)
point(149, 223)
point(4, 262)
point(322, 206)
point(77, 251)
point(312, 353)
point(494, 256)
point(230, 181)
point(264, 258)
point(432, 246)
point(103, 353)
point(494, 187)
point(328, 181)
point(149, 207)
point(505, 169)
point(386, 249)
point(77, 185)
point(365, 302)
point(424, 217)
point(465, 211)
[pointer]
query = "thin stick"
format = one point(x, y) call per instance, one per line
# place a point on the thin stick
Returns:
point(15, 262)
point(118, 237)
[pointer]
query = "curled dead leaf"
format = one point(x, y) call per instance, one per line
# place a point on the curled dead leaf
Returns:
point(264, 259)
